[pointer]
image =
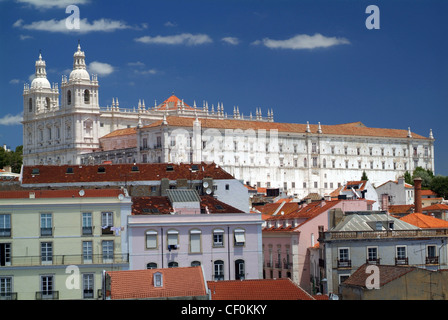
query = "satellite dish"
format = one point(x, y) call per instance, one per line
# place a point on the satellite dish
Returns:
point(208, 191)
point(81, 193)
point(120, 197)
point(205, 184)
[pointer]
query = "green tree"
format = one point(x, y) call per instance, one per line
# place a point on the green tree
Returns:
point(408, 178)
point(425, 174)
point(364, 176)
point(439, 184)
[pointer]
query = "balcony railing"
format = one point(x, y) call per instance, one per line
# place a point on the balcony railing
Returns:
point(344, 263)
point(373, 260)
point(336, 235)
point(20, 261)
point(432, 260)
point(401, 261)
point(47, 295)
point(8, 296)
point(5, 232)
point(46, 232)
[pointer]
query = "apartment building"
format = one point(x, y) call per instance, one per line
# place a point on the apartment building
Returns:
point(54, 244)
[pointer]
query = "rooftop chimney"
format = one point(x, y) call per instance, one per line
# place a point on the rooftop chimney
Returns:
point(418, 194)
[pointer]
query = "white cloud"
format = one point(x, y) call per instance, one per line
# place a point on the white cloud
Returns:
point(100, 68)
point(14, 81)
point(31, 77)
point(11, 120)
point(101, 25)
point(231, 40)
point(303, 41)
point(170, 24)
point(24, 37)
point(184, 38)
point(47, 4)
point(136, 64)
point(144, 72)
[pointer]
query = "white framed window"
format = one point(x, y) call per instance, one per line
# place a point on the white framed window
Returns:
point(87, 251)
point(5, 225)
point(218, 238)
point(218, 268)
point(88, 285)
point(87, 223)
point(46, 224)
point(46, 252)
point(172, 239)
point(158, 280)
point(239, 237)
point(5, 288)
point(108, 251)
point(47, 286)
point(372, 254)
point(195, 241)
point(151, 239)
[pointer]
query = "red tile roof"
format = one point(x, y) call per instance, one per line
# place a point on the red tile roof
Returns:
point(121, 132)
point(351, 129)
point(146, 205)
point(428, 193)
point(401, 208)
point(436, 207)
point(263, 289)
point(65, 193)
point(120, 172)
point(138, 284)
point(387, 274)
point(172, 104)
point(424, 221)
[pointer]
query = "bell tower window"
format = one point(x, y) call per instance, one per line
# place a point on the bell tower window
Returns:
point(30, 105)
point(69, 97)
point(86, 96)
point(48, 103)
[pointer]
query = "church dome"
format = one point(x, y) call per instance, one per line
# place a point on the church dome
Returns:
point(40, 83)
point(81, 74)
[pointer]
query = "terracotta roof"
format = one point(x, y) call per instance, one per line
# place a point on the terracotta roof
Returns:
point(406, 185)
point(162, 205)
point(436, 207)
point(65, 193)
point(387, 273)
point(351, 129)
point(428, 193)
point(172, 104)
point(401, 208)
point(139, 284)
point(120, 172)
point(424, 221)
point(260, 289)
point(350, 184)
point(121, 132)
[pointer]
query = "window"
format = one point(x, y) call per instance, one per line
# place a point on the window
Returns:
point(195, 241)
point(195, 263)
point(313, 147)
point(46, 228)
point(86, 96)
point(5, 225)
point(5, 254)
point(239, 237)
point(158, 280)
point(401, 255)
point(46, 252)
point(6, 288)
point(87, 228)
point(304, 185)
point(151, 239)
point(173, 239)
point(87, 285)
point(46, 287)
point(227, 187)
point(173, 264)
point(372, 255)
point(107, 222)
point(305, 163)
point(30, 105)
point(343, 258)
point(239, 269)
point(87, 251)
point(314, 162)
point(431, 254)
point(324, 163)
point(151, 265)
point(315, 184)
point(218, 238)
point(218, 268)
point(47, 103)
point(108, 251)
point(69, 97)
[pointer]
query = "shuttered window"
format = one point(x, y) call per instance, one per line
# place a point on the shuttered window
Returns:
point(151, 239)
point(195, 241)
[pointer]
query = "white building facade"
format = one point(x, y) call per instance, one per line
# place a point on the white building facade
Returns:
point(298, 158)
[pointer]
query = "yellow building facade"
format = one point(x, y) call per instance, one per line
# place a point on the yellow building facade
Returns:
point(55, 244)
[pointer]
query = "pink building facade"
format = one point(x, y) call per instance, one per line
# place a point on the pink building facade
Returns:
point(228, 246)
point(288, 238)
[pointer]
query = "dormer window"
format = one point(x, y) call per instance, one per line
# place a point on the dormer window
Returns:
point(101, 170)
point(158, 280)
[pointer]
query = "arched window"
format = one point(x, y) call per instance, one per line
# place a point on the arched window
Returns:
point(30, 105)
point(151, 265)
point(48, 103)
point(195, 263)
point(69, 97)
point(173, 264)
point(86, 96)
point(218, 270)
point(239, 269)
point(305, 163)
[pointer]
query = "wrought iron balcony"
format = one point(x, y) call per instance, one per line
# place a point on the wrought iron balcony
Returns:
point(345, 263)
point(75, 259)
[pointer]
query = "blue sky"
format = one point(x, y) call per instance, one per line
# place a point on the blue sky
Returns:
point(307, 60)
